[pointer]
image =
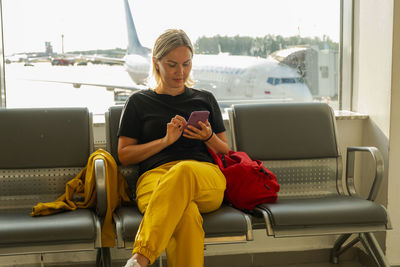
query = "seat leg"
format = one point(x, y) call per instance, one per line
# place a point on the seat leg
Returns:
point(160, 261)
point(103, 257)
point(98, 258)
point(367, 246)
point(336, 250)
point(41, 260)
point(375, 250)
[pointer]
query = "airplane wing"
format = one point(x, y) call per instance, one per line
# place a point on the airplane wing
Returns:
point(110, 87)
point(102, 59)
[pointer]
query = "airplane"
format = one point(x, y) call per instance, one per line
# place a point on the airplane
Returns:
point(232, 79)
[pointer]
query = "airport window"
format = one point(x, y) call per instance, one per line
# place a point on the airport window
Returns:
point(75, 53)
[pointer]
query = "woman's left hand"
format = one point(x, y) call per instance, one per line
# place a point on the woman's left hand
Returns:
point(204, 133)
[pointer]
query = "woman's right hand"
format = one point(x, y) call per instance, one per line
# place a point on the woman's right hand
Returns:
point(130, 152)
point(174, 129)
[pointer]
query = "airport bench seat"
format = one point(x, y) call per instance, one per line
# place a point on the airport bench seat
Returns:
point(226, 225)
point(298, 142)
point(42, 149)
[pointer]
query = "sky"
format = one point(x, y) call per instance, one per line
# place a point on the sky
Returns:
point(100, 24)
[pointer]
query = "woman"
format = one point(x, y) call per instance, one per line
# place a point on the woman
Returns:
point(178, 179)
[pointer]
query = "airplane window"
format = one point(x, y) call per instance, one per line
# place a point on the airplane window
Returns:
point(275, 81)
point(288, 80)
point(62, 53)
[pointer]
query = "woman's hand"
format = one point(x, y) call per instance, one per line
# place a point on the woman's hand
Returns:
point(216, 142)
point(174, 129)
point(203, 134)
point(131, 152)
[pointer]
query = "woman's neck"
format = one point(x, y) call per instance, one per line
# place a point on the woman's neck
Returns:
point(169, 91)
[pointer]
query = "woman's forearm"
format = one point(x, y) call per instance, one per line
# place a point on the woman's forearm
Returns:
point(135, 153)
point(218, 143)
point(130, 152)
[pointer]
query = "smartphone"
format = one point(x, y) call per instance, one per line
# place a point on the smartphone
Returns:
point(197, 116)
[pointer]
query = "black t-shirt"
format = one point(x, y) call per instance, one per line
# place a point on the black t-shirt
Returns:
point(145, 117)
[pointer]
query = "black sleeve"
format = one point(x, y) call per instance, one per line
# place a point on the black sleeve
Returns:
point(216, 119)
point(129, 124)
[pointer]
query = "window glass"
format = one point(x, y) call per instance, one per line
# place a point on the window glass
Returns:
point(73, 52)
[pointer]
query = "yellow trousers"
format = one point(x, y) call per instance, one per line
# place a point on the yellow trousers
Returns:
point(172, 196)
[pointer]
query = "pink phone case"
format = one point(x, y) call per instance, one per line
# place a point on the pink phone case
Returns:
point(197, 116)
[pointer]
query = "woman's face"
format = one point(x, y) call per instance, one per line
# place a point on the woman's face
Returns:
point(174, 68)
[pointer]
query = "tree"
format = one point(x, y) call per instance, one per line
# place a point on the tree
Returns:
point(258, 46)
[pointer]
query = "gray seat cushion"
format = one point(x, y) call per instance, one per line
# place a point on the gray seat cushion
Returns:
point(340, 210)
point(18, 227)
point(225, 221)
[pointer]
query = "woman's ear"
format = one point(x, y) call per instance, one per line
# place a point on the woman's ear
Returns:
point(155, 63)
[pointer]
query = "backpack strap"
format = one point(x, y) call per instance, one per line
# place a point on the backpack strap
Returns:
point(223, 160)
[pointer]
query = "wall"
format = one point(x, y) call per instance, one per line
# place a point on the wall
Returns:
point(376, 94)
point(393, 237)
point(373, 27)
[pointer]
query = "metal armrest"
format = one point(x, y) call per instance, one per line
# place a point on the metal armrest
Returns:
point(379, 167)
point(268, 224)
point(101, 190)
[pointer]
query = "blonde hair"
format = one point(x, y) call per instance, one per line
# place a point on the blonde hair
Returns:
point(166, 42)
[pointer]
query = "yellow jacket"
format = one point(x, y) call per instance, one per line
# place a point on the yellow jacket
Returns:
point(84, 186)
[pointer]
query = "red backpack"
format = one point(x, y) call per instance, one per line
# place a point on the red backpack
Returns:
point(248, 182)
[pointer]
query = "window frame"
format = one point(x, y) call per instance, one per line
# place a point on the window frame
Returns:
point(2, 62)
point(345, 90)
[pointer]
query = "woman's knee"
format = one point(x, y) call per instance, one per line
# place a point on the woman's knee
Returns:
point(182, 171)
point(193, 169)
point(185, 166)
